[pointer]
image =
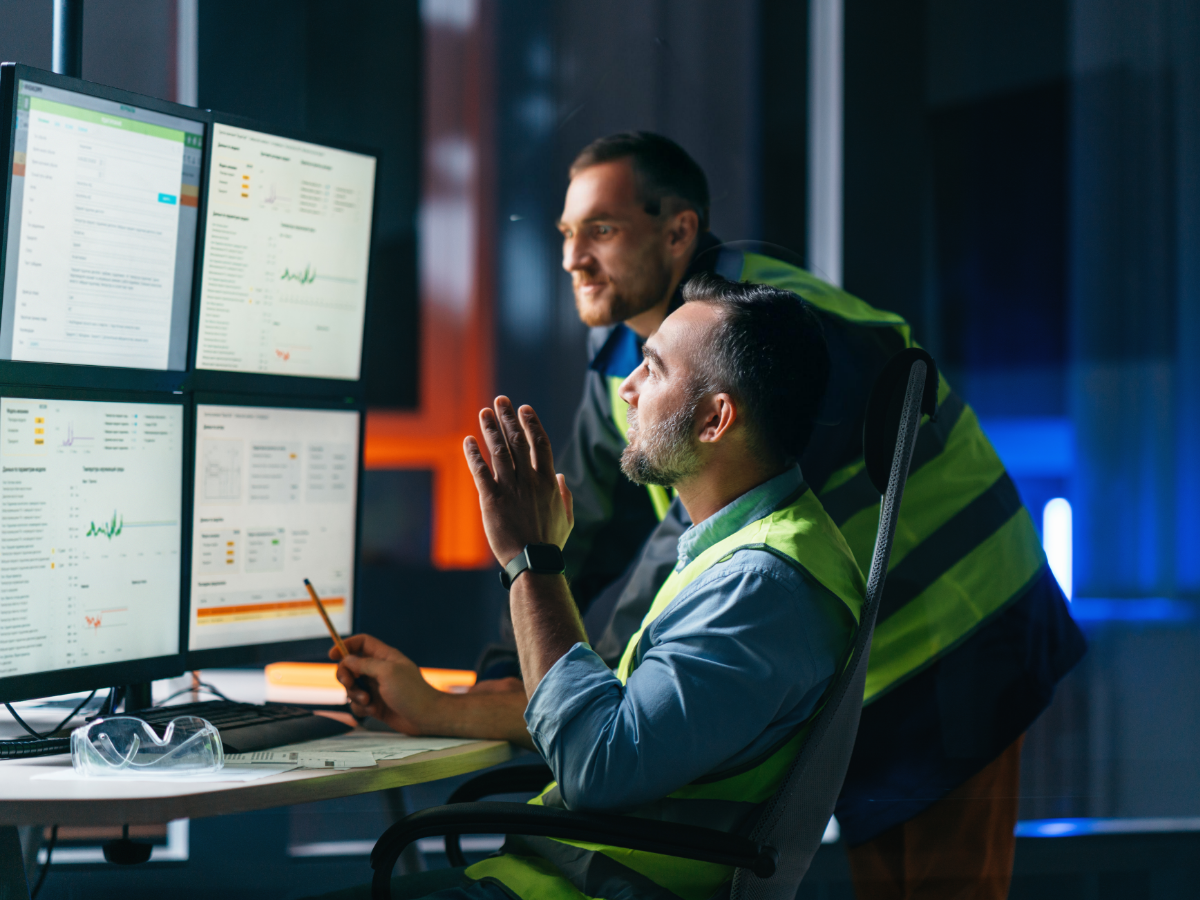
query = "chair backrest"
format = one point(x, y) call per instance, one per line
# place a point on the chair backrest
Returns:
point(794, 819)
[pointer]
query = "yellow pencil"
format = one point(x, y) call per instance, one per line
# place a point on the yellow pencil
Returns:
point(338, 642)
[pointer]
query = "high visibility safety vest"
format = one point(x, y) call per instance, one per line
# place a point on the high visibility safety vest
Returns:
point(965, 545)
point(802, 534)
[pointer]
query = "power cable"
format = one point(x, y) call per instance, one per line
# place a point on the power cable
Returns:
point(45, 870)
point(56, 728)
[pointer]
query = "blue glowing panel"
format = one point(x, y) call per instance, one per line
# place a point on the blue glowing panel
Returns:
point(1040, 446)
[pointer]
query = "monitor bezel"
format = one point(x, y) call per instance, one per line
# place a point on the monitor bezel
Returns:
point(88, 376)
point(279, 651)
point(258, 382)
point(86, 678)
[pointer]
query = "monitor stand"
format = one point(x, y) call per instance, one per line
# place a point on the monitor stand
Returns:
point(138, 696)
point(125, 852)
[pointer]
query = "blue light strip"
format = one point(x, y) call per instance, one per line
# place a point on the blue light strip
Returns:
point(1051, 828)
point(1142, 609)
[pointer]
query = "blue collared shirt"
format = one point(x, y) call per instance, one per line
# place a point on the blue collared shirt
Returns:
point(734, 663)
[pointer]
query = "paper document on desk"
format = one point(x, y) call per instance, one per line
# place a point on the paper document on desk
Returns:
point(304, 759)
point(229, 773)
point(351, 750)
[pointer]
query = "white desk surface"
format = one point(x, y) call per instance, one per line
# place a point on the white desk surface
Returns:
point(25, 801)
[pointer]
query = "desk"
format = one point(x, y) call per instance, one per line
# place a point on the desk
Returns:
point(112, 802)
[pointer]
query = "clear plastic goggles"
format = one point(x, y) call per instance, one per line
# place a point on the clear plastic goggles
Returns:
point(125, 745)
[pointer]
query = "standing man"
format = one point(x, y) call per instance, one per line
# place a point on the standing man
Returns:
point(973, 631)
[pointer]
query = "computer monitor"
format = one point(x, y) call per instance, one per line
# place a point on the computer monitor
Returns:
point(100, 233)
point(286, 247)
point(276, 500)
point(91, 539)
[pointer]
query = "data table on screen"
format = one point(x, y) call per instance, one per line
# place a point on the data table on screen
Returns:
point(90, 532)
point(275, 503)
point(101, 236)
point(287, 243)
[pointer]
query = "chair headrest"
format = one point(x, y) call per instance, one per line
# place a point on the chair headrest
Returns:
point(882, 422)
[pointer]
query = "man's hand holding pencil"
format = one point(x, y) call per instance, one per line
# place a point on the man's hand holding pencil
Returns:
point(397, 694)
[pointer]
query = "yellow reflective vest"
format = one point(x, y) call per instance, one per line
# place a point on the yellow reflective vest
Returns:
point(549, 869)
point(965, 544)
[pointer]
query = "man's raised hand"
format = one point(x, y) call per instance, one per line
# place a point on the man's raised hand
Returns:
point(522, 500)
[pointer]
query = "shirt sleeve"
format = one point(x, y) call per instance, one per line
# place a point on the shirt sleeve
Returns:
point(736, 661)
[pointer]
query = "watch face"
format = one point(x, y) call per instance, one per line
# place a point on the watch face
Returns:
point(544, 557)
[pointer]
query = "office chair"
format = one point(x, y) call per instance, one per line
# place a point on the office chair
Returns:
point(774, 852)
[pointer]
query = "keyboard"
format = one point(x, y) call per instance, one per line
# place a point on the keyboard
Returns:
point(246, 727)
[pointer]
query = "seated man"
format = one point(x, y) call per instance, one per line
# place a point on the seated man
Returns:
point(734, 657)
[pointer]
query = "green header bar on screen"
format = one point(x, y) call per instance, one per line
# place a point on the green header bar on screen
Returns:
point(37, 104)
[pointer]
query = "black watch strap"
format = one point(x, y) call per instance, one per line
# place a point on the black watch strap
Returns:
point(540, 559)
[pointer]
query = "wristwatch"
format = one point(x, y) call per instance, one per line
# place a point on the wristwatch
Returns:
point(540, 559)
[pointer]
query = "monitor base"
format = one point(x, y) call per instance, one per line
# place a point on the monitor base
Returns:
point(138, 696)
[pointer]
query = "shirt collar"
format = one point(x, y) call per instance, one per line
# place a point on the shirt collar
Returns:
point(755, 504)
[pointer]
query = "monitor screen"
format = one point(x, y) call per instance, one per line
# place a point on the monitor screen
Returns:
point(287, 239)
point(276, 498)
point(90, 533)
point(101, 241)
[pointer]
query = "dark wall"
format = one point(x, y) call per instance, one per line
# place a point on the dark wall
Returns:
point(129, 44)
point(350, 71)
point(124, 46)
point(886, 171)
point(783, 89)
point(956, 120)
point(1000, 197)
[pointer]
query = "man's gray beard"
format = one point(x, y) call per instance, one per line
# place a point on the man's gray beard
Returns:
point(663, 454)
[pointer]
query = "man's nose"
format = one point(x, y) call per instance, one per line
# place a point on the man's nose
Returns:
point(575, 255)
point(628, 389)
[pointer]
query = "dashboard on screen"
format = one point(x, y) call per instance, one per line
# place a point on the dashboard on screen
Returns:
point(91, 496)
point(101, 232)
point(287, 238)
point(276, 494)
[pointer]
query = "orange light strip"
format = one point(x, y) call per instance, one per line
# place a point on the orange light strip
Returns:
point(324, 676)
point(281, 606)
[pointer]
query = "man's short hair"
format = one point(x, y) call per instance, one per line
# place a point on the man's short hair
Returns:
point(662, 169)
point(769, 354)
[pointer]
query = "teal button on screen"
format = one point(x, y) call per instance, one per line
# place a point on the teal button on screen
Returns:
point(166, 198)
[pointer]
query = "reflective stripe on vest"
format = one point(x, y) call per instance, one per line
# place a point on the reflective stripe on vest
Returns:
point(965, 545)
point(659, 496)
point(548, 869)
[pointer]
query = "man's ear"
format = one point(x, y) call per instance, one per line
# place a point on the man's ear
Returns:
point(716, 415)
point(681, 231)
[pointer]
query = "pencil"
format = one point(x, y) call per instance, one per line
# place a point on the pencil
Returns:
point(360, 682)
point(338, 642)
